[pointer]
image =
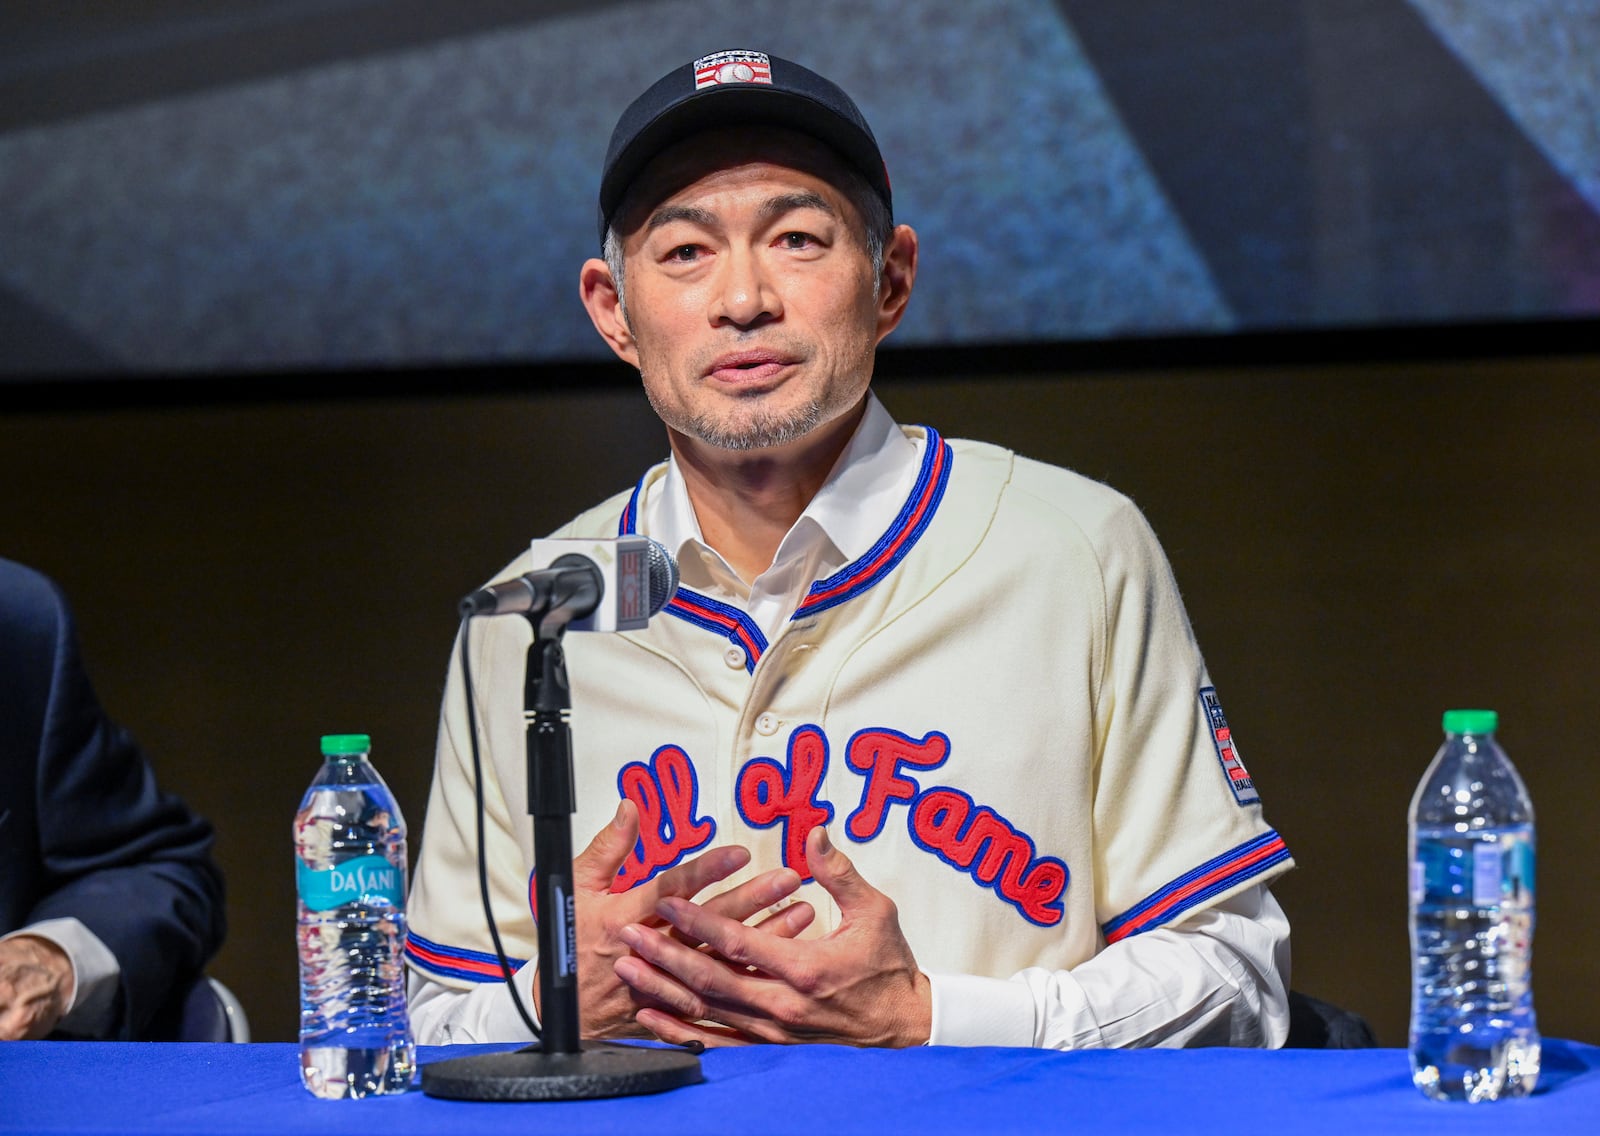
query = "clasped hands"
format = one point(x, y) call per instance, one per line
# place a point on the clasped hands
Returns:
point(653, 960)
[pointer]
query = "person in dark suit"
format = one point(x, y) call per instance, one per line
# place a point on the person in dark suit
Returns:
point(110, 903)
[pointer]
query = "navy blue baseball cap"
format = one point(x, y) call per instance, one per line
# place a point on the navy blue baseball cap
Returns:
point(736, 88)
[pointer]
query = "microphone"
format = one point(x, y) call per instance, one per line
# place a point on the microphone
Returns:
point(585, 585)
point(593, 585)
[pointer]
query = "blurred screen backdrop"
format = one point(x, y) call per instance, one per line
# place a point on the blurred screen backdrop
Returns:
point(286, 185)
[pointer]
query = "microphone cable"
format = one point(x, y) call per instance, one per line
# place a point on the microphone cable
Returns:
point(483, 862)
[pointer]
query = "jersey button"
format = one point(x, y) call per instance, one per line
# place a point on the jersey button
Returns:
point(767, 725)
point(734, 657)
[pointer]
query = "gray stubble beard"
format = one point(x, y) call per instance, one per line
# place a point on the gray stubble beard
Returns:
point(761, 432)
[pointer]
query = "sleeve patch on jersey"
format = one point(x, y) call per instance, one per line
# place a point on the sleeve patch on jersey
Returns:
point(1239, 781)
point(456, 962)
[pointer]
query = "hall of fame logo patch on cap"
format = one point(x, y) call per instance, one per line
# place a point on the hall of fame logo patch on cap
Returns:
point(1244, 789)
point(732, 67)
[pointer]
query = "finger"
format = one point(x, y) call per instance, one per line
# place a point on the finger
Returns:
point(654, 988)
point(695, 988)
point(596, 866)
point(738, 948)
point(755, 895)
point(790, 922)
point(785, 924)
point(692, 877)
point(687, 879)
point(24, 1021)
point(833, 870)
point(692, 981)
point(679, 1032)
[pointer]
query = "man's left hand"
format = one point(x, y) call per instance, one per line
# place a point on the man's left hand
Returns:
point(35, 987)
point(858, 985)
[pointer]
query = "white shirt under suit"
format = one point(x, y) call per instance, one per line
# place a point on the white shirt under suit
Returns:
point(977, 671)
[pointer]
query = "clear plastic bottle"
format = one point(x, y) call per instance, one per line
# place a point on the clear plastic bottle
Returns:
point(350, 872)
point(1473, 1034)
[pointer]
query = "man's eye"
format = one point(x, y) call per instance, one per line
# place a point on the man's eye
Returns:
point(797, 240)
point(684, 253)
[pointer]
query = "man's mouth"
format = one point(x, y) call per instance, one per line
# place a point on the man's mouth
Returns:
point(747, 366)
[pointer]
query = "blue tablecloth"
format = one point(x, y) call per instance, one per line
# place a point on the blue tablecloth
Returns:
point(90, 1088)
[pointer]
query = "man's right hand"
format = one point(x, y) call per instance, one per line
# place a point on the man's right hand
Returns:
point(35, 987)
point(606, 1006)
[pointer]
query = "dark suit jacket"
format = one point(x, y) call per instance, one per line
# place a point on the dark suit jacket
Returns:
point(84, 830)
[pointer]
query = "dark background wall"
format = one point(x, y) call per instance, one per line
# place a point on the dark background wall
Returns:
point(1360, 546)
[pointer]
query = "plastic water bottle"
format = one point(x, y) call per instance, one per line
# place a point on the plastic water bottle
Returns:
point(350, 870)
point(1473, 1035)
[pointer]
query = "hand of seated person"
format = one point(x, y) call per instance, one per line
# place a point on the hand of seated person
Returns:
point(607, 1006)
point(858, 985)
point(36, 986)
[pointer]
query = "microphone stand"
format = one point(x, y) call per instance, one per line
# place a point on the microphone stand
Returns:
point(560, 1066)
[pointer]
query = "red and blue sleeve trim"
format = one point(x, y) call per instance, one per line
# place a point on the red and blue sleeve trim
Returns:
point(1212, 878)
point(456, 962)
point(891, 548)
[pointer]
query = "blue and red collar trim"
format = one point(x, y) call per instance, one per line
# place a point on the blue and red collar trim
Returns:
point(859, 576)
point(891, 548)
point(723, 619)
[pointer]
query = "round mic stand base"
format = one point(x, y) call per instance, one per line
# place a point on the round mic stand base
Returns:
point(599, 1069)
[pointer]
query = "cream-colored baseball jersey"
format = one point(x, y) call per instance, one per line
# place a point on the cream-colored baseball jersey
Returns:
point(999, 711)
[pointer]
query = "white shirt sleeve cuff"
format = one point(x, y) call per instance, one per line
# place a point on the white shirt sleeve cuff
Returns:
point(448, 1015)
point(502, 1022)
point(973, 1010)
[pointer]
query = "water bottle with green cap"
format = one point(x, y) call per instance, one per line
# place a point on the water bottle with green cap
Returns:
point(1473, 1034)
point(350, 875)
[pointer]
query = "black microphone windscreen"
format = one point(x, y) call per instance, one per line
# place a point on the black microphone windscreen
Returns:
point(663, 576)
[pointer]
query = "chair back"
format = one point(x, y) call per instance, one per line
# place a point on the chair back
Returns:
point(1315, 1024)
point(211, 1012)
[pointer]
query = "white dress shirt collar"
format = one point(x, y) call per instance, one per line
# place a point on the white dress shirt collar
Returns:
point(855, 506)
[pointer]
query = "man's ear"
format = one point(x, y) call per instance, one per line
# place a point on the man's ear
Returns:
point(899, 274)
point(598, 291)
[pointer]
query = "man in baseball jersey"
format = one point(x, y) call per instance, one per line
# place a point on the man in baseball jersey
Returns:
point(923, 749)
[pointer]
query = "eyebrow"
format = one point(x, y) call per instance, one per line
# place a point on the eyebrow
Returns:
point(776, 207)
point(667, 214)
point(771, 210)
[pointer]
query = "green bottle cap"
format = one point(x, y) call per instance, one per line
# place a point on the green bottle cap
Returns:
point(334, 744)
point(1470, 721)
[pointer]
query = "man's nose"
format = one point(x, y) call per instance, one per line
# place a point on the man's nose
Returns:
point(745, 296)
